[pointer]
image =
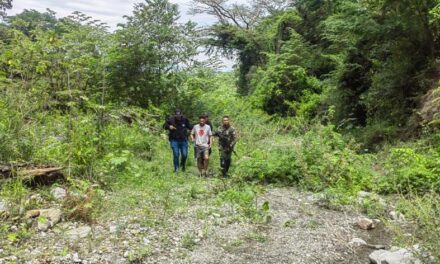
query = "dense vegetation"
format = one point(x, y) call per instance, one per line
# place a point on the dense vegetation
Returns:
point(335, 96)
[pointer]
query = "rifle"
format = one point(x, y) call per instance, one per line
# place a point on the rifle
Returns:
point(223, 142)
point(233, 149)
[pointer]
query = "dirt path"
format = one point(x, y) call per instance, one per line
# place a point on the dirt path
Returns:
point(300, 231)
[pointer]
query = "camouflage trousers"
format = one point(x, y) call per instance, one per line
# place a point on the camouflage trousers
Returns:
point(225, 161)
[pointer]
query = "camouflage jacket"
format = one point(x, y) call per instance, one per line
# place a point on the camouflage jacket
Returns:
point(227, 137)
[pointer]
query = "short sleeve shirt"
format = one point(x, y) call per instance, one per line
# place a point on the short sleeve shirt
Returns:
point(201, 135)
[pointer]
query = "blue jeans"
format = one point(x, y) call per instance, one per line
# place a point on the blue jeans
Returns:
point(179, 147)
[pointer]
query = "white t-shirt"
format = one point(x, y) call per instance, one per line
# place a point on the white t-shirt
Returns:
point(201, 135)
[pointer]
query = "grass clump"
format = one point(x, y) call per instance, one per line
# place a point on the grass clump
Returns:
point(423, 214)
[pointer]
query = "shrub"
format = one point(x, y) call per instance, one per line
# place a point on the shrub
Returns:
point(319, 159)
point(407, 171)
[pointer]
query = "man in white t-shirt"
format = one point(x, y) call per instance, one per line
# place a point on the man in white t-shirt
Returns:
point(201, 135)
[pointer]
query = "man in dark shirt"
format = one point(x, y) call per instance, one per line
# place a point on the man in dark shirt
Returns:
point(178, 127)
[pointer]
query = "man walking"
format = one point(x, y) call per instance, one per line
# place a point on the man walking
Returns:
point(207, 122)
point(178, 127)
point(227, 140)
point(201, 135)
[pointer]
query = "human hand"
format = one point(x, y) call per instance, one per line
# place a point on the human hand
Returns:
point(172, 127)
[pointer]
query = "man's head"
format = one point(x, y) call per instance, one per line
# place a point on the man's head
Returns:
point(202, 120)
point(206, 116)
point(226, 121)
point(178, 114)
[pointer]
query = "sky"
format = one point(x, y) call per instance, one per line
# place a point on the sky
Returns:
point(110, 12)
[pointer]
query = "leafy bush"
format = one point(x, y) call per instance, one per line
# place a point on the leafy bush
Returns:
point(407, 171)
point(321, 158)
point(244, 201)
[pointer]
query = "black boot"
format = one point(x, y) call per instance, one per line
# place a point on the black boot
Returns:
point(226, 168)
point(183, 165)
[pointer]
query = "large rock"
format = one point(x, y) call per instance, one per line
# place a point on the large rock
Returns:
point(80, 232)
point(58, 193)
point(48, 218)
point(366, 223)
point(398, 256)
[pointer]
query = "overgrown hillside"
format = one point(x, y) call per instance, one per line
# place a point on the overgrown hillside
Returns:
point(336, 104)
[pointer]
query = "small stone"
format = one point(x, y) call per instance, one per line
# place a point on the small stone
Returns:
point(396, 216)
point(21, 210)
point(48, 218)
point(58, 193)
point(363, 194)
point(366, 224)
point(4, 208)
point(78, 233)
point(54, 215)
point(357, 242)
point(32, 214)
point(76, 258)
point(43, 225)
point(3, 205)
point(113, 229)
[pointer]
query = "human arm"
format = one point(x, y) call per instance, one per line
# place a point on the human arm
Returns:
point(211, 141)
point(233, 138)
point(193, 131)
point(188, 124)
point(211, 137)
point(168, 125)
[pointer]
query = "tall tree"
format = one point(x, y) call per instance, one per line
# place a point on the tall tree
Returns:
point(151, 48)
point(29, 20)
point(233, 35)
point(4, 5)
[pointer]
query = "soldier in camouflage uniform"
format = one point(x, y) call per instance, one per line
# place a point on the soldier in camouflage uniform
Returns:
point(227, 139)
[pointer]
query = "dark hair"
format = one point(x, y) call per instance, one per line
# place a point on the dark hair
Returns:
point(202, 117)
point(177, 112)
point(225, 116)
point(204, 114)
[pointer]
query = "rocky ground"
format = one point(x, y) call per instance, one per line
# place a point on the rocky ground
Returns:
point(298, 230)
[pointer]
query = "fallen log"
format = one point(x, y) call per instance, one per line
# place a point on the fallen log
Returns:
point(5, 172)
point(42, 176)
point(32, 176)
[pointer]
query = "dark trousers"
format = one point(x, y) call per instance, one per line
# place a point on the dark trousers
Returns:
point(180, 148)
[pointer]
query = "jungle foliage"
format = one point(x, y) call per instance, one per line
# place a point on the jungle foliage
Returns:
point(334, 96)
